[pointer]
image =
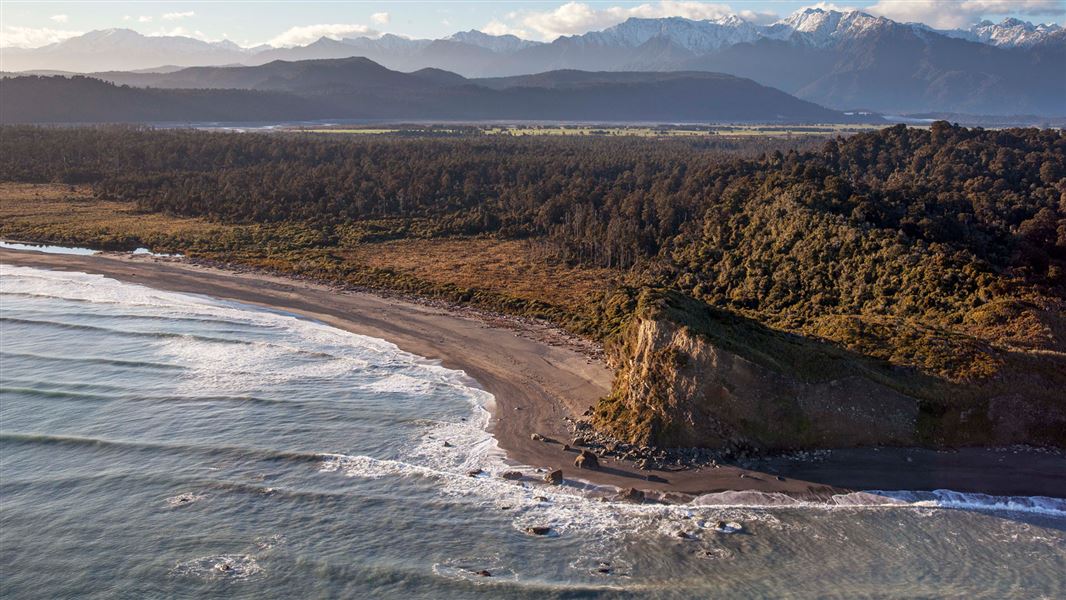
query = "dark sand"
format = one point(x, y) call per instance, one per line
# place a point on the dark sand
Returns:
point(539, 377)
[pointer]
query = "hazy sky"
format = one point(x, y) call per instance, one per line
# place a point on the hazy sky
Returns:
point(281, 22)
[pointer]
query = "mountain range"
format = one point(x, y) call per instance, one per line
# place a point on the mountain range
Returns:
point(845, 60)
point(358, 88)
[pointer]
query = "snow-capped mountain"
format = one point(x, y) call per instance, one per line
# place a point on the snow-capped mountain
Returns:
point(1011, 33)
point(497, 43)
point(841, 59)
point(823, 28)
point(123, 49)
point(694, 36)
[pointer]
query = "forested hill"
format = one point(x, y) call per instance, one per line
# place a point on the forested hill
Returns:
point(924, 223)
point(356, 88)
point(939, 254)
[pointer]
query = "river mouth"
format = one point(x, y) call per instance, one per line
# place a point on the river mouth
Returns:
point(158, 443)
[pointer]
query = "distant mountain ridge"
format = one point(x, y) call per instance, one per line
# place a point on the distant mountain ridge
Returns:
point(358, 88)
point(841, 59)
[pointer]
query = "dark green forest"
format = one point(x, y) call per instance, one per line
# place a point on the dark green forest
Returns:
point(948, 228)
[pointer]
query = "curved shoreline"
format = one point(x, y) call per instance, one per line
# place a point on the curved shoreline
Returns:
point(538, 379)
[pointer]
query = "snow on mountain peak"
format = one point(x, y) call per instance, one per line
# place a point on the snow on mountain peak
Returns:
point(820, 27)
point(695, 36)
point(495, 43)
point(1010, 32)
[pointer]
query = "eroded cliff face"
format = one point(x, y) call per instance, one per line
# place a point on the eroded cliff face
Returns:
point(678, 387)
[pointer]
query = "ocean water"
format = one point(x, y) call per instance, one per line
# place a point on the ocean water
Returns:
point(155, 444)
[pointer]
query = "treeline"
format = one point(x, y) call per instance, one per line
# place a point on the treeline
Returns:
point(904, 222)
point(628, 190)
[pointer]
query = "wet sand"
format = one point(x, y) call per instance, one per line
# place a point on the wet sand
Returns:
point(540, 376)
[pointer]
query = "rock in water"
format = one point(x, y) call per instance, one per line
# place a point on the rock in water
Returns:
point(730, 527)
point(511, 475)
point(586, 460)
point(555, 477)
point(632, 495)
point(538, 530)
point(474, 472)
point(483, 573)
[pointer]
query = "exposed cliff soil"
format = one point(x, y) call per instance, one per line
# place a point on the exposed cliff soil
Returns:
point(690, 375)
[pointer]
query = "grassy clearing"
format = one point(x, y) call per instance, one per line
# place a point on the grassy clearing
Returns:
point(506, 275)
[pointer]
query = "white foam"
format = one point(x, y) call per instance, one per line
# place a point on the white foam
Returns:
point(1043, 505)
point(147, 252)
point(219, 366)
point(222, 566)
point(48, 249)
point(184, 499)
point(876, 499)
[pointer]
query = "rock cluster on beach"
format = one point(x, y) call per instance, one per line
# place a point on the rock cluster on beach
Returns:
point(652, 458)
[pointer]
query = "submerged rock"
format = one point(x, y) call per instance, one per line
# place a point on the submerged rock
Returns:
point(730, 527)
point(554, 477)
point(586, 460)
point(538, 530)
point(483, 573)
point(474, 472)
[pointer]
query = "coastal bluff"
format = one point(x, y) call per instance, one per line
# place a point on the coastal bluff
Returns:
point(689, 375)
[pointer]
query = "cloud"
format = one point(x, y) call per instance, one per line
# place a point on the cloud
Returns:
point(300, 36)
point(177, 16)
point(181, 32)
point(575, 18)
point(31, 37)
point(381, 18)
point(495, 27)
point(144, 19)
point(830, 6)
point(961, 13)
point(60, 18)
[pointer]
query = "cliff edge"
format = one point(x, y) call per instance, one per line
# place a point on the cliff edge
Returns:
point(692, 375)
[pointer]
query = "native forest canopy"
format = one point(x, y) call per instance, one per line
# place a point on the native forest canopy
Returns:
point(935, 256)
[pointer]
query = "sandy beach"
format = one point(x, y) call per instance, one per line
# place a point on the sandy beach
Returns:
point(541, 376)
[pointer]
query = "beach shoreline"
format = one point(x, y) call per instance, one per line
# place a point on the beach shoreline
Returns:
point(541, 376)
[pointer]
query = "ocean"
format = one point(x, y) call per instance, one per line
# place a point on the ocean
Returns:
point(156, 444)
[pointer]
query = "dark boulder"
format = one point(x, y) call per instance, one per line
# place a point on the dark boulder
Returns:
point(538, 530)
point(632, 495)
point(586, 460)
point(511, 475)
point(554, 477)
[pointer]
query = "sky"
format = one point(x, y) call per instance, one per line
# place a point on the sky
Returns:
point(36, 23)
